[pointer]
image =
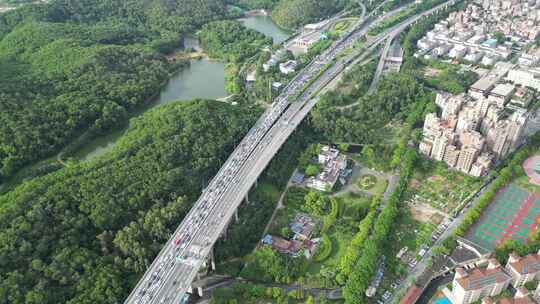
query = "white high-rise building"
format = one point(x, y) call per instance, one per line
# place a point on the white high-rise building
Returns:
point(439, 147)
point(451, 155)
point(467, 156)
point(452, 106)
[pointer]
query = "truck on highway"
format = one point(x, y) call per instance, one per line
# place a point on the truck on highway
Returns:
point(185, 299)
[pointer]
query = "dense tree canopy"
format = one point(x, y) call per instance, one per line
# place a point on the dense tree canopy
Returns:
point(85, 233)
point(362, 124)
point(231, 41)
point(67, 67)
point(294, 13)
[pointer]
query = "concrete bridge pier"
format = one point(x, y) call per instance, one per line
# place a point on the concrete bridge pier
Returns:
point(212, 259)
point(236, 218)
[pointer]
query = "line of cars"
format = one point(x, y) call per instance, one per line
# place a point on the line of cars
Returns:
point(178, 248)
point(203, 209)
point(207, 202)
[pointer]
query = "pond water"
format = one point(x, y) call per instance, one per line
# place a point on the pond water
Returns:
point(204, 78)
point(201, 79)
point(265, 25)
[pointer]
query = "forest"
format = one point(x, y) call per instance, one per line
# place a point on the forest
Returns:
point(85, 233)
point(231, 41)
point(70, 67)
point(396, 95)
point(293, 13)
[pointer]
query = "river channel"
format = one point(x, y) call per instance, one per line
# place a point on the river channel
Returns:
point(203, 78)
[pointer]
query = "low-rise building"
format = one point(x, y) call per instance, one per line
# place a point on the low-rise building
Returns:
point(251, 77)
point(522, 98)
point(291, 247)
point(501, 94)
point(288, 67)
point(526, 77)
point(474, 56)
point(303, 226)
point(490, 59)
point(333, 163)
point(483, 86)
point(307, 40)
point(458, 51)
point(277, 85)
point(528, 60)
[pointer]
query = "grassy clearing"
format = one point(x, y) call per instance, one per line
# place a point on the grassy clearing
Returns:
point(366, 182)
point(341, 26)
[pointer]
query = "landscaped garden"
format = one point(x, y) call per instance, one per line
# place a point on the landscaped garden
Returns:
point(367, 182)
point(339, 217)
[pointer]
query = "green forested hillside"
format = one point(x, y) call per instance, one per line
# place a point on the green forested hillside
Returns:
point(231, 41)
point(294, 13)
point(68, 67)
point(85, 233)
point(254, 4)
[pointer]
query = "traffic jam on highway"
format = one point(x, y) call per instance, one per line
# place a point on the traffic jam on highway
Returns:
point(181, 249)
point(193, 239)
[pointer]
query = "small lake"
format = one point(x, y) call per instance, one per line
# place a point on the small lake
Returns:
point(201, 79)
point(265, 25)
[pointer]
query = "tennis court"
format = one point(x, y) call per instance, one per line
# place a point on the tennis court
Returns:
point(512, 214)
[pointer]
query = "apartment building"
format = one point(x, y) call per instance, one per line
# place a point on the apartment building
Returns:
point(521, 297)
point(478, 283)
point(472, 133)
point(523, 269)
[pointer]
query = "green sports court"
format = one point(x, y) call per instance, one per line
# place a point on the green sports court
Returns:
point(512, 214)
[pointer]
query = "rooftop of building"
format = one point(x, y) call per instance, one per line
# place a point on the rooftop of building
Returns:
point(282, 245)
point(412, 295)
point(525, 265)
point(485, 83)
point(303, 224)
point(329, 152)
point(289, 64)
point(520, 297)
point(479, 278)
point(503, 89)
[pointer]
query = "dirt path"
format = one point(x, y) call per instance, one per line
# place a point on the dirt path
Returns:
point(279, 205)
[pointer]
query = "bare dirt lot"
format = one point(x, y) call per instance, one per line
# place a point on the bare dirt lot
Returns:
point(426, 214)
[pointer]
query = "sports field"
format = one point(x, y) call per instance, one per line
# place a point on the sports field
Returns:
point(512, 214)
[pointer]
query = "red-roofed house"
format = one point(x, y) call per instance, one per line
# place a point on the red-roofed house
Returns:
point(412, 295)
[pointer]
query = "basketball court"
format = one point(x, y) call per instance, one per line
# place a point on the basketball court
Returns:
point(512, 214)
